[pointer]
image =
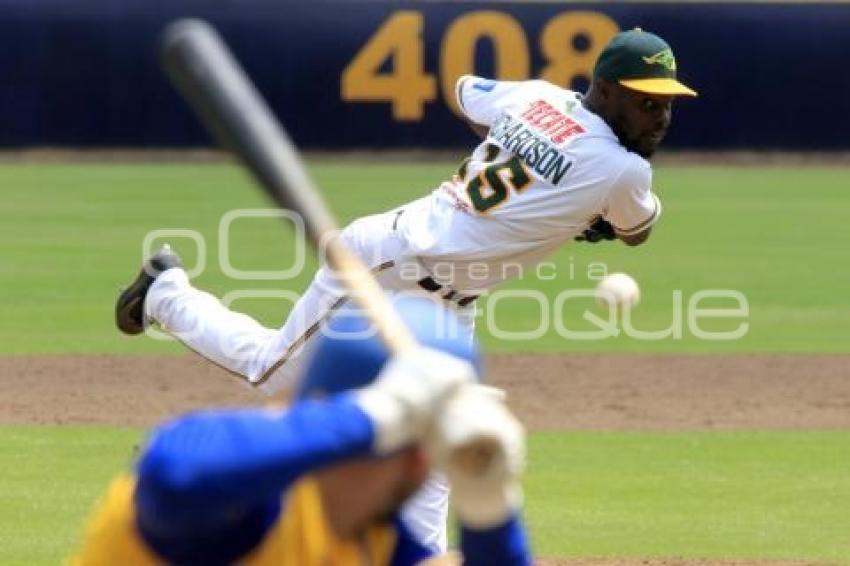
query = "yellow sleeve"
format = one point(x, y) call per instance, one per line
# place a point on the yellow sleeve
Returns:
point(110, 536)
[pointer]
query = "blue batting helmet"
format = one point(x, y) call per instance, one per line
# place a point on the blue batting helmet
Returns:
point(349, 354)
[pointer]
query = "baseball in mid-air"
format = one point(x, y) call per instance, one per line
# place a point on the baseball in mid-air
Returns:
point(618, 290)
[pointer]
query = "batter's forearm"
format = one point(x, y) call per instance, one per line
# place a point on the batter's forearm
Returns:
point(209, 464)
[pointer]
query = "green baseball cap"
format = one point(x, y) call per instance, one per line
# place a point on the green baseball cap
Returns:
point(641, 61)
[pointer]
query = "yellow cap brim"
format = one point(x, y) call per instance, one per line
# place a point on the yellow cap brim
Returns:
point(669, 87)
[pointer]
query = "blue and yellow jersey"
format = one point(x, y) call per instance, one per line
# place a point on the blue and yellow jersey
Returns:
point(236, 487)
point(300, 537)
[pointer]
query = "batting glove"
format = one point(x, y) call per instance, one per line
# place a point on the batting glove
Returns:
point(408, 393)
point(480, 446)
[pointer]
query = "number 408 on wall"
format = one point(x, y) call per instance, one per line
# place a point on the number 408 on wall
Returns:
point(407, 87)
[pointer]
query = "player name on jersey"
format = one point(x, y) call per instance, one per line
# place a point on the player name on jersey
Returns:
point(533, 135)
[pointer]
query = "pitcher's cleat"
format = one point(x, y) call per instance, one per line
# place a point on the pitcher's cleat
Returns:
point(129, 309)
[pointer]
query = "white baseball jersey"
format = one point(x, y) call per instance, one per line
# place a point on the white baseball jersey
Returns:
point(548, 168)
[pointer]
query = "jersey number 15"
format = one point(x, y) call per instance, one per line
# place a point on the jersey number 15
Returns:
point(493, 185)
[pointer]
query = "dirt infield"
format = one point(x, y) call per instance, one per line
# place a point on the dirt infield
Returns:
point(548, 392)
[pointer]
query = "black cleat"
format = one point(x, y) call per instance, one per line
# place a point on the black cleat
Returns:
point(129, 309)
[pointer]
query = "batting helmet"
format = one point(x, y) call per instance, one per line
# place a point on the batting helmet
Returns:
point(349, 354)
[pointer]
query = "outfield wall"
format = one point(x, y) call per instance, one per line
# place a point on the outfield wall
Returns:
point(377, 74)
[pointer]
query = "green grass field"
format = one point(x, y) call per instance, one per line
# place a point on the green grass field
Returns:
point(72, 234)
point(744, 495)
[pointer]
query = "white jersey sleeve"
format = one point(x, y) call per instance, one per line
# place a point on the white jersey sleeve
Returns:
point(484, 100)
point(632, 207)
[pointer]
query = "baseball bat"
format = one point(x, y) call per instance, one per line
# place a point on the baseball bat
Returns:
point(208, 76)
